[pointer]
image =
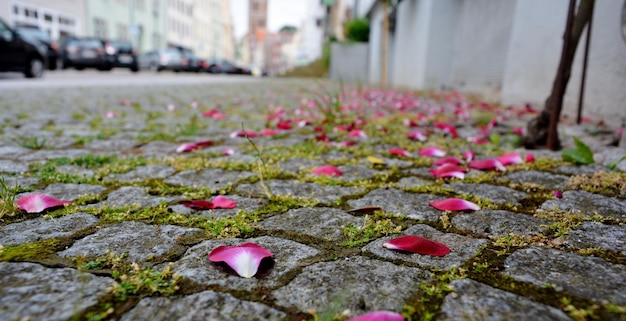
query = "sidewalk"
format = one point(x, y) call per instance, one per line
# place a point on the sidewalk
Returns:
point(548, 242)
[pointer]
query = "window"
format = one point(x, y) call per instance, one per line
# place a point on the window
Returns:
point(16, 10)
point(100, 28)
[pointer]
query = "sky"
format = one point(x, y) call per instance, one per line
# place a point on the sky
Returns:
point(279, 14)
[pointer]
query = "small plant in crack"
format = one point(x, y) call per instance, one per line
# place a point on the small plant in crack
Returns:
point(7, 198)
point(30, 142)
point(262, 167)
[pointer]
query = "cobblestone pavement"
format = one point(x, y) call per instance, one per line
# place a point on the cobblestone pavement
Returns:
point(126, 249)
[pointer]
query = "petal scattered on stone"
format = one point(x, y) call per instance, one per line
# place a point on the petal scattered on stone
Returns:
point(244, 259)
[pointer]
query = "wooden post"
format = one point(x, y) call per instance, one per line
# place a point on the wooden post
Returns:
point(384, 40)
point(583, 78)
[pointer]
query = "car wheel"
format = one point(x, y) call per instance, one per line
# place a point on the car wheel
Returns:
point(52, 64)
point(34, 68)
point(80, 68)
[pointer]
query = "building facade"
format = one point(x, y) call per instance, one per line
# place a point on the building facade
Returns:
point(506, 50)
point(142, 22)
point(213, 32)
point(59, 18)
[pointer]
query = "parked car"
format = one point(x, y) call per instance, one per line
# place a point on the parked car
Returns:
point(192, 62)
point(81, 53)
point(159, 60)
point(220, 65)
point(121, 54)
point(21, 54)
point(44, 38)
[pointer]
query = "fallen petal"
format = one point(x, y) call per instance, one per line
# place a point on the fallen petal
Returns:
point(198, 204)
point(244, 133)
point(417, 135)
point(379, 316)
point(36, 203)
point(399, 152)
point(558, 194)
point(530, 158)
point(447, 128)
point(228, 151)
point(328, 170)
point(469, 156)
point(244, 259)
point(454, 204)
point(508, 159)
point(448, 170)
point(416, 244)
point(268, 132)
point(448, 160)
point(223, 202)
point(432, 151)
point(357, 133)
point(186, 147)
point(486, 164)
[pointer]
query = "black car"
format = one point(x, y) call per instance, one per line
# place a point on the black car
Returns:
point(191, 62)
point(159, 60)
point(220, 65)
point(44, 38)
point(81, 53)
point(122, 54)
point(21, 54)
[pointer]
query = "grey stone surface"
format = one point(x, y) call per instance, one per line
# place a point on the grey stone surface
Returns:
point(288, 255)
point(46, 154)
point(158, 148)
point(299, 165)
point(319, 222)
point(12, 181)
point(499, 223)
point(206, 305)
point(356, 172)
point(45, 228)
point(213, 178)
point(473, 300)
point(397, 202)
point(496, 194)
point(139, 241)
point(142, 173)
point(132, 196)
point(357, 284)
point(30, 291)
point(12, 151)
point(325, 194)
point(243, 203)
point(549, 180)
point(589, 204)
point(596, 234)
point(13, 167)
point(70, 192)
point(588, 277)
point(462, 248)
point(412, 181)
point(116, 144)
point(581, 169)
point(75, 170)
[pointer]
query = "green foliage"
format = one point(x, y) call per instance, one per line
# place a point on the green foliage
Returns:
point(580, 154)
point(140, 281)
point(7, 199)
point(373, 227)
point(357, 30)
point(30, 142)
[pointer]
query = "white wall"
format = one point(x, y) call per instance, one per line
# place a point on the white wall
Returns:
point(409, 62)
point(374, 50)
point(441, 46)
point(535, 50)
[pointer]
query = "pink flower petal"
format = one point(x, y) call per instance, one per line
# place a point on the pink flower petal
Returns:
point(448, 160)
point(432, 151)
point(223, 202)
point(268, 132)
point(125, 102)
point(36, 203)
point(357, 133)
point(189, 147)
point(558, 194)
point(198, 204)
point(469, 156)
point(244, 259)
point(110, 114)
point(447, 128)
point(399, 152)
point(508, 159)
point(379, 316)
point(328, 170)
point(454, 204)
point(529, 158)
point(228, 151)
point(242, 133)
point(478, 140)
point(416, 244)
point(213, 113)
point(417, 135)
point(284, 125)
point(486, 164)
point(171, 107)
point(448, 170)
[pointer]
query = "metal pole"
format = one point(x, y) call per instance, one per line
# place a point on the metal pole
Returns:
point(385, 34)
point(581, 95)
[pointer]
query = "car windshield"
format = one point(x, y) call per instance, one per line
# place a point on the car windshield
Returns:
point(121, 45)
point(34, 32)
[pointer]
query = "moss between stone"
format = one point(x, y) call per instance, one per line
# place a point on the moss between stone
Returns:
point(605, 183)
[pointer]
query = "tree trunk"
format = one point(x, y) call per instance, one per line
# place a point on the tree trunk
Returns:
point(542, 130)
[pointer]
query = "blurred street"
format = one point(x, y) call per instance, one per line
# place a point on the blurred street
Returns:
point(122, 77)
